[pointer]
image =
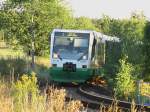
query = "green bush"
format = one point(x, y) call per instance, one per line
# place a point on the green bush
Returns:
point(125, 81)
point(25, 91)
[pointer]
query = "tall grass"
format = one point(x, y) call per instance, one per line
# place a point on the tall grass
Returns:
point(24, 96)
point(12, 62)
point(6, 104)
point(11, 65)
point(16, 62)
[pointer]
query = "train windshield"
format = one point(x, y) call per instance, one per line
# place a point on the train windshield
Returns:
point(71, 45)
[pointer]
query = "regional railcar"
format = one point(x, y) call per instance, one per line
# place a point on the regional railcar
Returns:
point(77, 55)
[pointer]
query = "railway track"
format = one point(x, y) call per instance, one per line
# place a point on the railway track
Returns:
point(93, 96)
point(100, 94)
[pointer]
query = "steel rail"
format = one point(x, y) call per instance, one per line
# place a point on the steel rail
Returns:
point(84, 90)
point(95, 101)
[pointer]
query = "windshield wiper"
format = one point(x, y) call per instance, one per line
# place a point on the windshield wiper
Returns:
point(59, 57)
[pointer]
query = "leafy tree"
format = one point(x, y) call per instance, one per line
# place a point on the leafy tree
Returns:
point(131, 33)
point(84, 23)
point(34, 17)
point(125, 82)
point(104, 24)
point(146, 51)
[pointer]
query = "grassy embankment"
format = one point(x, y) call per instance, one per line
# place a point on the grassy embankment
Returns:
point(16, 62)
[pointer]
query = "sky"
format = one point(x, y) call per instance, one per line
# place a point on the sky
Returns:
point(112, 8)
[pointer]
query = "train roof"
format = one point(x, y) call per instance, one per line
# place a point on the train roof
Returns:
point(107, 38)
point(98, 34)
point(72, 30)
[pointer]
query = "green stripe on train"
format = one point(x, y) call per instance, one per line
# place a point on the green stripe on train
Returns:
point(81, 75)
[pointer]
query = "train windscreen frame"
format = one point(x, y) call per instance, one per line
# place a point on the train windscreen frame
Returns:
point(71, 45)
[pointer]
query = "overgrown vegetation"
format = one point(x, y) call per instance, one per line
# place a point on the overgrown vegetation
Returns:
point(125, 80)
point(13, 63)
point(146, 52)
point(24, 95)
point(131, 31)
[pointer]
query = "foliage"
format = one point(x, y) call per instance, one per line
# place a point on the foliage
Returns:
point(103, 24)
point(125, 81)
point(6, 52)
point(132, 28)
point(131, 33)
point(84, 23)
point(5, 100)
point(24, 90)
point(12, 65)
point(112, 56)
point(12, 62)
point(36, 18)
point(53, 101)
point(25, 96)
point(146, 51)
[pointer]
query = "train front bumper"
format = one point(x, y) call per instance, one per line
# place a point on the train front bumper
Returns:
point(79, 76)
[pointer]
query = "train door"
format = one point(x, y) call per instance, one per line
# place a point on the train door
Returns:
point(100, 51)
point(93, 53)
point(97, 56)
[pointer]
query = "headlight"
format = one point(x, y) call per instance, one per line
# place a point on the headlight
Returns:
point(84, 57)
point(55, 55)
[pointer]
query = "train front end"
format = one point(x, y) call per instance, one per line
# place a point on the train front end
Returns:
point(70, 55)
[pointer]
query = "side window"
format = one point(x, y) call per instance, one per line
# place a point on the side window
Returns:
point(93, 48)
point(101, 53)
